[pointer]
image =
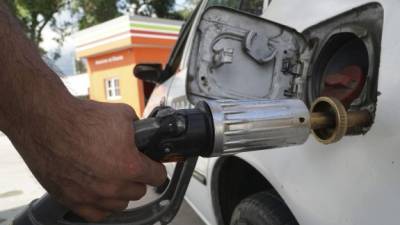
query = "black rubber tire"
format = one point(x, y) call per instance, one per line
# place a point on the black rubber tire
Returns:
point(264, 208)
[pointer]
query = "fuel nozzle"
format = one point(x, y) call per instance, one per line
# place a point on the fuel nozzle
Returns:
point(222, 127)
point(212, 128)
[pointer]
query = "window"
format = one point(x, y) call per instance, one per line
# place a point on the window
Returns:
point(113, 91)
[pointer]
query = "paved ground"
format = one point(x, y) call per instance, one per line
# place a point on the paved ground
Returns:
point(18, 187)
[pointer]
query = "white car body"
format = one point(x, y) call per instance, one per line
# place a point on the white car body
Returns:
point(355, 181)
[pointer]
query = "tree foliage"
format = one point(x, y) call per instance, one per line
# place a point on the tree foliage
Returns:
point(35, 15)
point(163, 8)
point(94, 12)
point(188, 7)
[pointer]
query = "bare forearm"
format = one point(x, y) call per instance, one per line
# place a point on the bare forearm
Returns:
point(28, 88)
point(82, 152)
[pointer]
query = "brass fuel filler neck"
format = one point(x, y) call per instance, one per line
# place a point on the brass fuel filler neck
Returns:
point(330, 122)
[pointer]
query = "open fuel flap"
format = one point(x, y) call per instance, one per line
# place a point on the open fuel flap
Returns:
point(237, 55)
point(241, 56)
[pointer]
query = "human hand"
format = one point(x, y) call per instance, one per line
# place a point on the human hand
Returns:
point(83, 153)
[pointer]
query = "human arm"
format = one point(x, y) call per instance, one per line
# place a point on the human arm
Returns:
point(82, 152)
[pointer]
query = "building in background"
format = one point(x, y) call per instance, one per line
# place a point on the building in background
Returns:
point(112, 49)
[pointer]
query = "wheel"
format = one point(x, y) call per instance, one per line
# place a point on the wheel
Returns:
point(264, 208)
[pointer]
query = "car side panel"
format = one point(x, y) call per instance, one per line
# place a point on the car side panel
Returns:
point(355, 181)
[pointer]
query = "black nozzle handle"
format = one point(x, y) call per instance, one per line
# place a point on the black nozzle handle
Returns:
point(174, 135)
point(144, 131)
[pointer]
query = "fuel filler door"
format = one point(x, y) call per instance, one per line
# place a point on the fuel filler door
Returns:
point(241, 56)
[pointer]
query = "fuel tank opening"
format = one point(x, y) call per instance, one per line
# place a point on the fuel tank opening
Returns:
point(341, 69)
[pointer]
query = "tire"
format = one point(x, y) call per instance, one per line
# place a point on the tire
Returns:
point(264, 208)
